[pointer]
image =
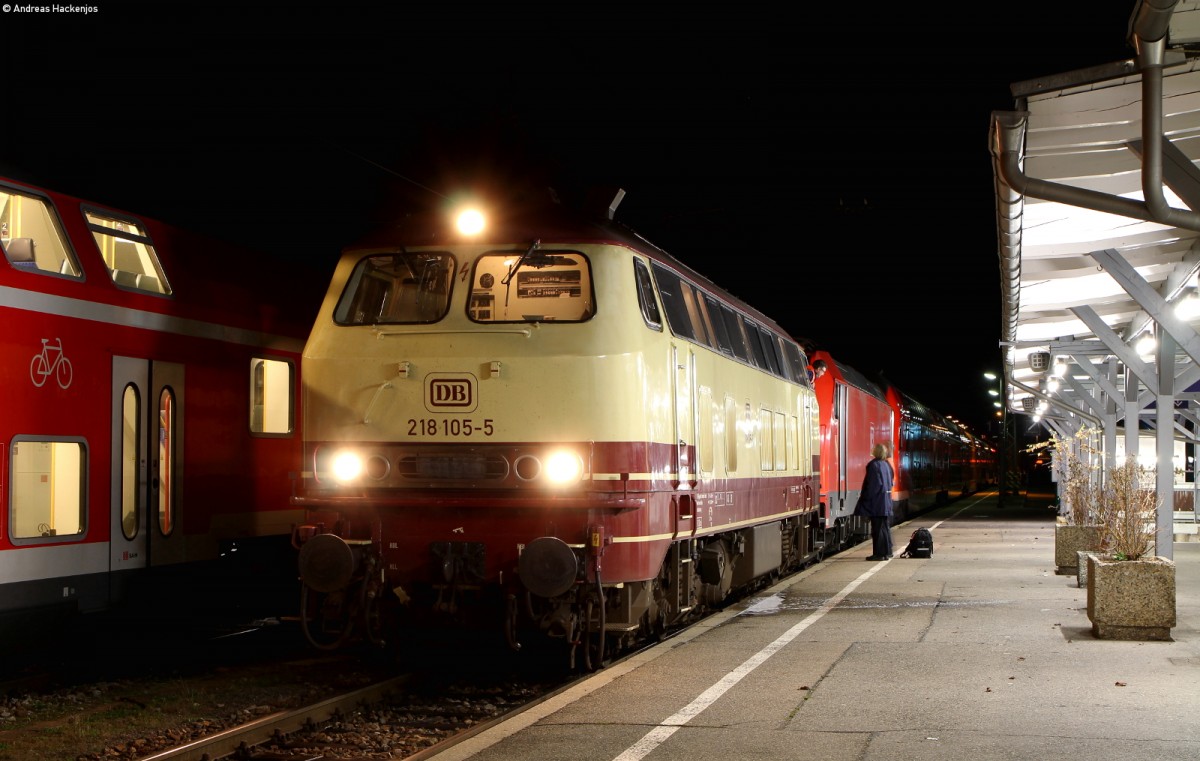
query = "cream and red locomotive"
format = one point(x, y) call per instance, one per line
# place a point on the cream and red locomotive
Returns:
point(549, 420)
point(549, 423)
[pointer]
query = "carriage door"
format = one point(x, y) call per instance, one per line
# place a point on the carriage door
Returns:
point(146, 446)
point(840, 410)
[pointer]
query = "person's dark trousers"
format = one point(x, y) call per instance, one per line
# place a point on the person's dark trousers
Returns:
point(881, 537)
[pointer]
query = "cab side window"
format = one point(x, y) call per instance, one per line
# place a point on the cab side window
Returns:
point(645, 292)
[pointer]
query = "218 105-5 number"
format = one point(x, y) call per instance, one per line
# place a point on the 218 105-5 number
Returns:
point(448, 427)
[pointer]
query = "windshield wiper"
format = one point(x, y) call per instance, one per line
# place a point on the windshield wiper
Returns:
point(516, 266)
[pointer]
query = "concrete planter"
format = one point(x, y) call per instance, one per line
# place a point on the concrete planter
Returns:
point(1069, 541)
point(1131, 599)
point(1082, 556)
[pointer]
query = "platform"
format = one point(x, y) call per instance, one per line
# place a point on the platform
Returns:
point(980, 652)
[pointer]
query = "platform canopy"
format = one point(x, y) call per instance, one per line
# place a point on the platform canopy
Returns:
point(1098, 221)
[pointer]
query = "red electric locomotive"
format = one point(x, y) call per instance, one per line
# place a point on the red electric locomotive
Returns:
point(150, 409)
point(935, 459)
point(855, 416)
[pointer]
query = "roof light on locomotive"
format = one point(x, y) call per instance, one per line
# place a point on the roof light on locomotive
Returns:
point(470, 221)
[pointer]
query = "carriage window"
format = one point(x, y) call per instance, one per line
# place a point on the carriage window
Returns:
point(166, 461)
point(47, 497)
point(31, 236)
point(131, 503)
point(645, 291)
point(128, 253)
point(398, 288)
point(542, 286)
point(271, 396)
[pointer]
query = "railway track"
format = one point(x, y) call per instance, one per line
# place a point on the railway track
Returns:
point(266, 695)
point(262, 694)
point(401, 717)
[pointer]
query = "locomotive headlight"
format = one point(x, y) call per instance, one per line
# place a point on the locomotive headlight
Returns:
point(563, 467)
point(347, 466)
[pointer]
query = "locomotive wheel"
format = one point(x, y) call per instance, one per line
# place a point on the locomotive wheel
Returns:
point(574, 637)
point(325, 618)
point(373, 616)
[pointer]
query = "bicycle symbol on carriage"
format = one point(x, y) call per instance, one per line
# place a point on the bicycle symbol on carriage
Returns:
point(42, 367)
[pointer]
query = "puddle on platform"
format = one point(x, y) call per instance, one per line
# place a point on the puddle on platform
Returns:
point(774, 604)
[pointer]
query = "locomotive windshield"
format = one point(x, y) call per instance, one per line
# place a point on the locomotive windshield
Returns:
point(398, 288)
point(547, 286)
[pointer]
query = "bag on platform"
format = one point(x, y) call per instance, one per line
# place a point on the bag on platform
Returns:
point(920, 545)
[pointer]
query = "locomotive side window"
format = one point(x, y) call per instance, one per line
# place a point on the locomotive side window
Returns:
point(756, 350)
point(766, 458)
point(47, 497)
point(708, 419)
point(793, 459)
point(767, 341)
point(778, 431)
point(272, 393)
point(692, 303)
point(671, 288)
point(539, 286)
point(687, 313)
point(31, 236)
point(645, 291)
point(399, 288)
point(731, 434)
point(795, 362)
point(128, 253)
point(717, 326)
point(737, 336)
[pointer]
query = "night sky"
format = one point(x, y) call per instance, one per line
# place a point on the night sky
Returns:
point(829, 166)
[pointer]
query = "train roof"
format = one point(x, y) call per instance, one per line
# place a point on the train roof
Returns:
point(210, 279)
point(527, 218)
point(851, 375)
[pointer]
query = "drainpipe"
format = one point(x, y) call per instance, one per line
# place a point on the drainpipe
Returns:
point(1149, 25)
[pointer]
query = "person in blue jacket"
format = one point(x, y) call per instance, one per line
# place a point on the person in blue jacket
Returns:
point(875, 501)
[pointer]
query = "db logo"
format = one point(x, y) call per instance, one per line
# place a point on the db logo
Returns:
point(446, 392)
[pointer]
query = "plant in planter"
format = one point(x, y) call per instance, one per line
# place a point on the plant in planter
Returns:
point(1078, 527)
point(1131, 591)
